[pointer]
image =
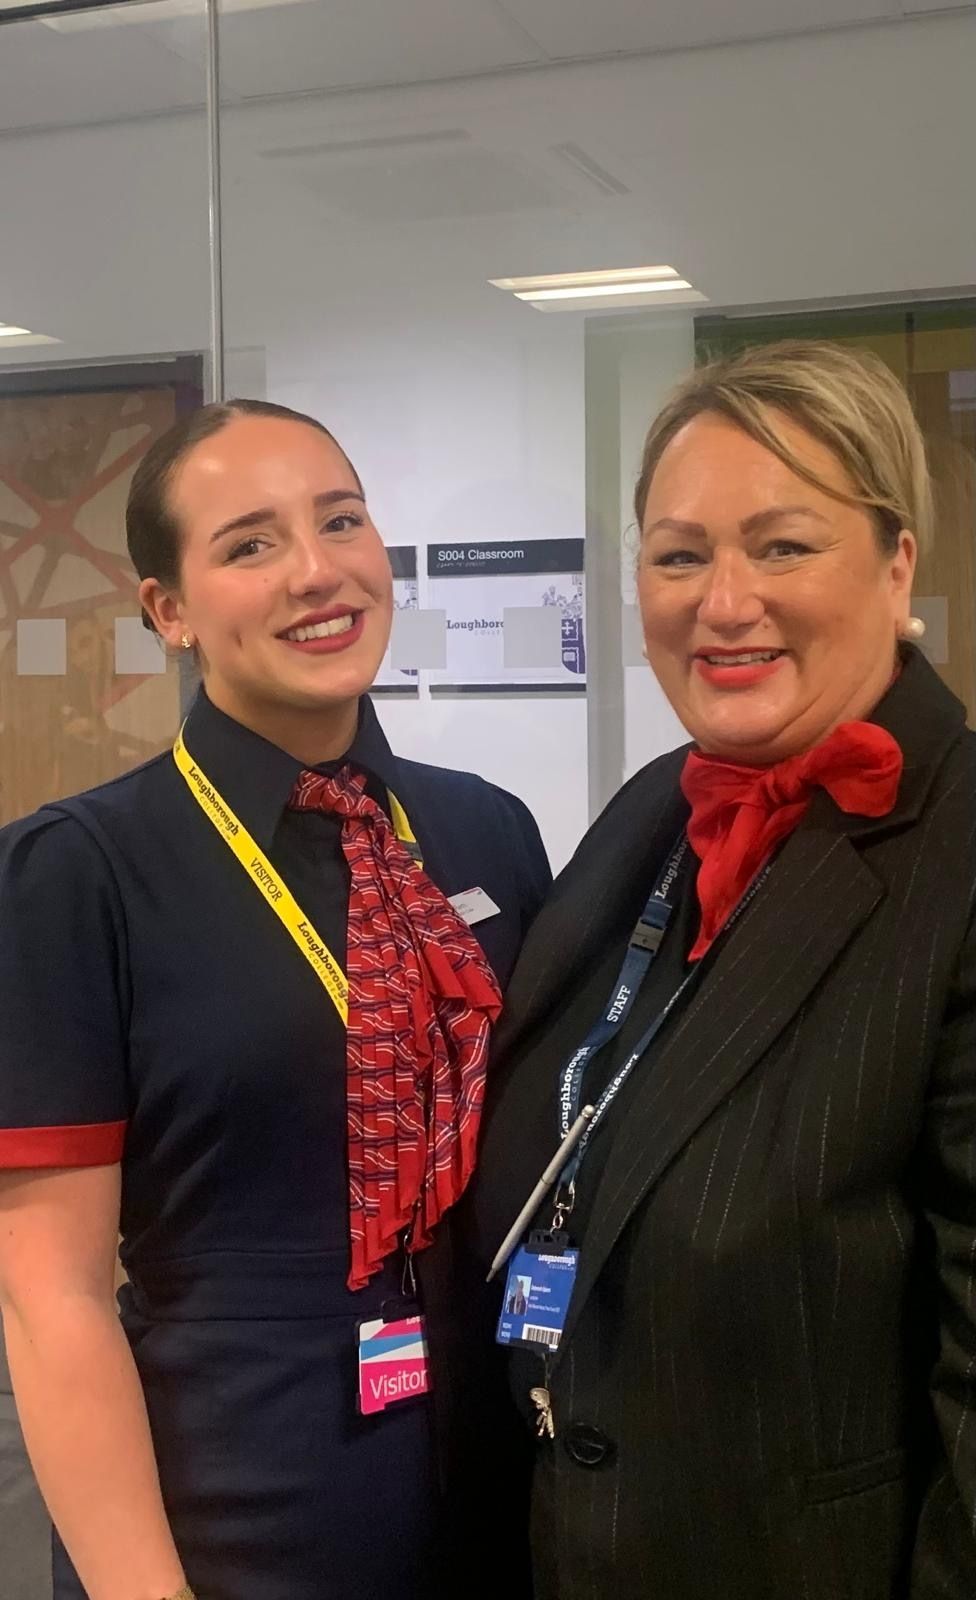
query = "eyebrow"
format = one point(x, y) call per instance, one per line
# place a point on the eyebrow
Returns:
point(754, 524)
point(265, 514)
point(764, 519)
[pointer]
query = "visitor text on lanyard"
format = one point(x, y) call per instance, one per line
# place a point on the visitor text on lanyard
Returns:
point(265, 877)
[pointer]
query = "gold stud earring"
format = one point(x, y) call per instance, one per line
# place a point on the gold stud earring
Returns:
point(914, 628)
point(185, 641)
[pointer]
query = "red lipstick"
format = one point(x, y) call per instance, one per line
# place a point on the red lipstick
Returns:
point(740, 668)
point(329, 643)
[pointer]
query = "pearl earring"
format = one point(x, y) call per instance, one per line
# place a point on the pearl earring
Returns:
point(914, 629)
point(185, 641)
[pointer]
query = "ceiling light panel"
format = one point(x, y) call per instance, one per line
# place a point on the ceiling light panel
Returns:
point(586, 280)
point(609, 289)
point(634, 300)
point(596, 291)
point(13, 337)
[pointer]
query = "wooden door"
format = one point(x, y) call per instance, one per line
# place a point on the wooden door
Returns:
point(66, 462)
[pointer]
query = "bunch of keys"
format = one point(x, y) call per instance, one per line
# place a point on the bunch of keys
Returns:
point(544, 1423)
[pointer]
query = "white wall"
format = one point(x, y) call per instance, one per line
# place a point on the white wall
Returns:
point(833, 166)
point(463, 426)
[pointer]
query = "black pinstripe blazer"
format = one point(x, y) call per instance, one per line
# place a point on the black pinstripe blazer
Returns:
point(767, 1386)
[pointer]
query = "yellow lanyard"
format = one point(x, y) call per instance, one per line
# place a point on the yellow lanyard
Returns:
point(263, 875)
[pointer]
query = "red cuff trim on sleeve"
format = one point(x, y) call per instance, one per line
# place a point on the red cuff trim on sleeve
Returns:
point(95, 1144)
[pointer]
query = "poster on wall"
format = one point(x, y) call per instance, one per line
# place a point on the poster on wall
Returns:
point(475, 583)
point(403, 560)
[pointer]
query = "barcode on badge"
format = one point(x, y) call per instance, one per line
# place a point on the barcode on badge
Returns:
point(536, 1335)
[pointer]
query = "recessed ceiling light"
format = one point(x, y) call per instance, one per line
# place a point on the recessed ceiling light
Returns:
point(585, 280)
point(628, 286)
point(595, 290)
point(18, 337)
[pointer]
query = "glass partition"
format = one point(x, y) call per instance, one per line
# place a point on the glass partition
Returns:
point(362, 227)
point(480, 240)
point(104, 333)
point(388, 178)
point(104, 325)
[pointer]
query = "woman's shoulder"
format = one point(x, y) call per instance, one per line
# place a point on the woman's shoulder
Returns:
point(76, 831)
point(657, 777)
point(962, 756)
point(501, 824)
point(449, 786)
point(950, 801)
point(642, 797)
point(48, 861)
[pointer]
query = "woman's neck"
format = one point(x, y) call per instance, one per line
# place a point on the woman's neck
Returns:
point(323, 733)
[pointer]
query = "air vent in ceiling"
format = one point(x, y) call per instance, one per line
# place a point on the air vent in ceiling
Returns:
point(375, 144)
point(585, 165)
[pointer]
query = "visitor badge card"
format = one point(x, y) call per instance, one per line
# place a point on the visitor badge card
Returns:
point(393, 1363)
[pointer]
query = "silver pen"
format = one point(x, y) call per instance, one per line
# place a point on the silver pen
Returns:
point(545, 1183)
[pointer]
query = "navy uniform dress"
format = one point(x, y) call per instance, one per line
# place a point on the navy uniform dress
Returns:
point(156, 1011)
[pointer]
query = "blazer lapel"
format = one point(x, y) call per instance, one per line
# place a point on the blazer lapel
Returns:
point(616, 862)
point(817, 896)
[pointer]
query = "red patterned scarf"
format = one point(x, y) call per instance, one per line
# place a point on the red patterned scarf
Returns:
point(422, 999)
point(740, 814)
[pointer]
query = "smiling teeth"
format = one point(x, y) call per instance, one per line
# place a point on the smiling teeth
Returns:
point(748, 658)
point(321, 630)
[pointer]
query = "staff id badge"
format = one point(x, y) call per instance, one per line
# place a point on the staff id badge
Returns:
point(538, 1290)
point(393, 1362)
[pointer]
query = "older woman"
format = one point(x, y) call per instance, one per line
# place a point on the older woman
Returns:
point(760, 970)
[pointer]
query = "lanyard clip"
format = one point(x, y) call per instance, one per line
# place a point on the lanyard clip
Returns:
point(563, 1206)
point(408, 1278)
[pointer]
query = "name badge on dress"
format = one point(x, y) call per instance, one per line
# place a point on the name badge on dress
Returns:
point(474, 905)
point(539, 1287)
point(393, 1362)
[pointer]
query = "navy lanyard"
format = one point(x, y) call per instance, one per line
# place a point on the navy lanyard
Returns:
point(644, 944)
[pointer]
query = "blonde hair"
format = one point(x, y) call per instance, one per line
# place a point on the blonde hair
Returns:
point(846, 398)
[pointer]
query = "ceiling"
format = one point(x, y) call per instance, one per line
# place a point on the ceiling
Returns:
point(140, 59)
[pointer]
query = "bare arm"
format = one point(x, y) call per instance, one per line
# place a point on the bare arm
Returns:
point(78, 1393)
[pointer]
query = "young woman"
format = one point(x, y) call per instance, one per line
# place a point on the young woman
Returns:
point(245, 1026)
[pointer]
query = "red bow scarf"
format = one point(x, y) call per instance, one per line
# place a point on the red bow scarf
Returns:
point(422, 999)
point(740, 814)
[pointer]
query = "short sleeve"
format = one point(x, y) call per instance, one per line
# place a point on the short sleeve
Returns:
point(63, 1099)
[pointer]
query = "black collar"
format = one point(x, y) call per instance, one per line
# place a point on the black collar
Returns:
point(257, 777)
point(926, 719)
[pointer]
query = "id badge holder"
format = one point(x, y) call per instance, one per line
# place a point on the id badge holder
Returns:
point(393, 1361)
point(538, 1289)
